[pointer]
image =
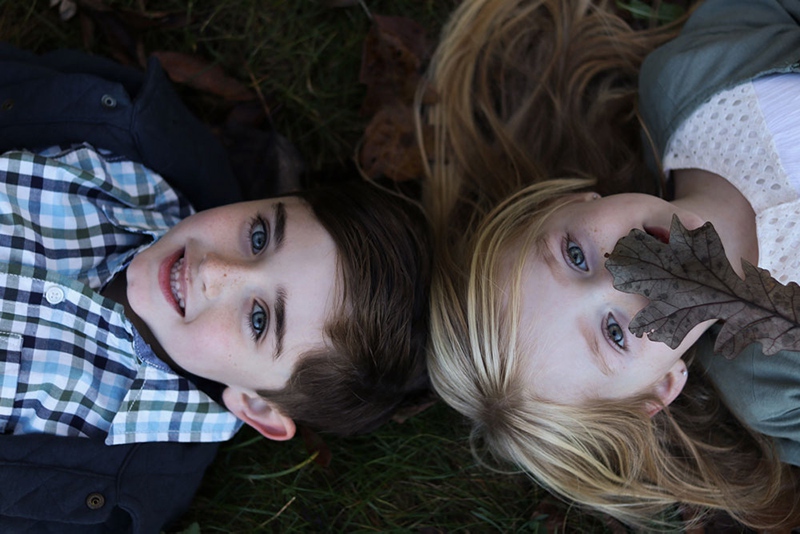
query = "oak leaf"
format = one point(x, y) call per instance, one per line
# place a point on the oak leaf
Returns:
point(390, 145)
point(689, 280)
point(394, 52)
point(392, 61)
point(203, 75)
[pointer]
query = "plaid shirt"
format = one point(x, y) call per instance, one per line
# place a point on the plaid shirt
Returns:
point(71, 363)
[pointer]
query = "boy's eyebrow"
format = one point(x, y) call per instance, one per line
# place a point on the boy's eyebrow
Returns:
point(280, 300)
point(280, 322)
point(280, 224)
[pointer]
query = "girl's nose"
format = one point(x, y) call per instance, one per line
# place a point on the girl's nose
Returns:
point(631, 303)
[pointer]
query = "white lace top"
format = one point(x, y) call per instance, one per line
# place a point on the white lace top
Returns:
point(751, 135)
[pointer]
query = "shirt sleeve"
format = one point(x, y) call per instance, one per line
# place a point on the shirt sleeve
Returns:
point(763, 391)
point(724, 43)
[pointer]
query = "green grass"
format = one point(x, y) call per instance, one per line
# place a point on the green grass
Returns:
point(418, 476)
point(303, 56)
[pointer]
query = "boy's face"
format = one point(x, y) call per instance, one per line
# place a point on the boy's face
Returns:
point(574, 324)
point(236, 294)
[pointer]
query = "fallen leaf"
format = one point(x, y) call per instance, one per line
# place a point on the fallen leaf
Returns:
point(314, 443)
point(340, 3)
point(551, 514)
point(149, 20)
point(125, 44)
point(394, 52)
point(390, 145)
point(404, 413)
point(203, 75)
point(689, 281)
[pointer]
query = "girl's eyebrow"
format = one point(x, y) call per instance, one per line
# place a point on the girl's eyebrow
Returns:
point(553, 265)
point(590, 336)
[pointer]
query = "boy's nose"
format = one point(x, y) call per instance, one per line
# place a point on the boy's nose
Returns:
point(217, 273)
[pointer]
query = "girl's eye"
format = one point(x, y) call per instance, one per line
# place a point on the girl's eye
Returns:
point(258, 321)
point(615, 333)
point(258, 235)
point(575, 255)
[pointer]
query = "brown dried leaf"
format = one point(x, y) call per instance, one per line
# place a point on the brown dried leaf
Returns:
point(394, 52)
point(340, 3)
point(126, 46)
point(203, 75)
point(390, 146)
point(315, 443)
point(405, 413)
point(552, 513)
point(690, 280)
point(149, 20)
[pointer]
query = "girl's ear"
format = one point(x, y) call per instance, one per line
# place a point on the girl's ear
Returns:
point(259, 413)
point(669, 387)
point(586, 196)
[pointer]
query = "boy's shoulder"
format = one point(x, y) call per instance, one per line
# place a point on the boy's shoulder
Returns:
point(80, 485)
point(71, 97)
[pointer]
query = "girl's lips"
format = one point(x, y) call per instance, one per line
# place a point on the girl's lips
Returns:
point(662, 234)
point(164, 282)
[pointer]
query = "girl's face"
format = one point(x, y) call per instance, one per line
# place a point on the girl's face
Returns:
point(573, 323)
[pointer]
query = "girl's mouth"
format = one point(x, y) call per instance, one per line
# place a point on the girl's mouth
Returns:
point(662, 234)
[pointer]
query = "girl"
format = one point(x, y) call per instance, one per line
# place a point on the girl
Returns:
point(530, 339)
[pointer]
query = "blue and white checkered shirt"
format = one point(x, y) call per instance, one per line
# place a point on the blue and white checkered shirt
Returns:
point(71, 363)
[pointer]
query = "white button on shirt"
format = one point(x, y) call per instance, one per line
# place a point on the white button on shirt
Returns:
point(54, 294)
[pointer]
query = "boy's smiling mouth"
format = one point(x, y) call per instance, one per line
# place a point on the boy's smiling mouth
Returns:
point(172, 281)
point(175, 282)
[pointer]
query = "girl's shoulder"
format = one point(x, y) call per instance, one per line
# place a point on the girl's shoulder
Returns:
point(724, 43)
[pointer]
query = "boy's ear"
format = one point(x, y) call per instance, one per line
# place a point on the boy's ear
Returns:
point(669, 387)
point(259, 413)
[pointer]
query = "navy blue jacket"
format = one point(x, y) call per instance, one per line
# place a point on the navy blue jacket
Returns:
point(56, 484)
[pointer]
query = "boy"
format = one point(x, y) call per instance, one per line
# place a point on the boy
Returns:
point(127, 321)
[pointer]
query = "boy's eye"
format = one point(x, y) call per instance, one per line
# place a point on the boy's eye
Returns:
point(258, 235)
point(575, 255)
point(258, 321)
point(614, 332)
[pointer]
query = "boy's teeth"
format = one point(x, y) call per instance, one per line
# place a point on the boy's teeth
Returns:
point(174, 281)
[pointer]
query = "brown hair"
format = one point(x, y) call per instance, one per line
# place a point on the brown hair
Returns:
point(531, 90)
point(374, 359)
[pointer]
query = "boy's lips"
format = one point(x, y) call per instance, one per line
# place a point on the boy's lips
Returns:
point(173, 267)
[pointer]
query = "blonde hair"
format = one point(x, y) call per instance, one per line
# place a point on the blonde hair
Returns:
point(532, 90)
point(611, 455)
point(505, 71)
